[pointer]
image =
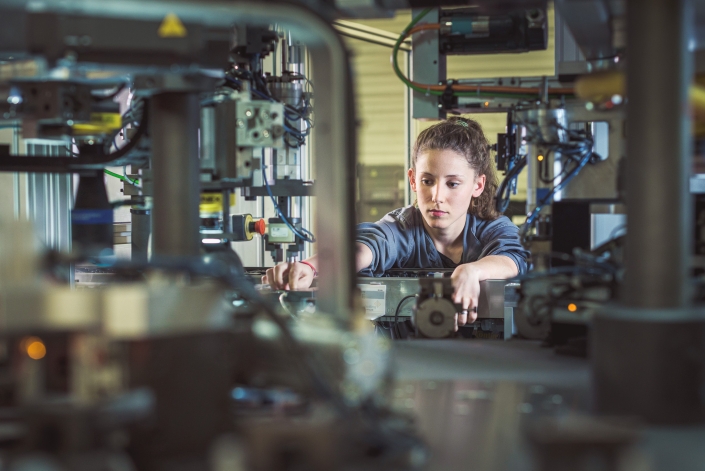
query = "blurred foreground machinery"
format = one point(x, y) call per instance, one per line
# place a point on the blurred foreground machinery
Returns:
point(178, 361)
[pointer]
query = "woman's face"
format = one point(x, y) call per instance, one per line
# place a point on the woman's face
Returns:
point(444, 184)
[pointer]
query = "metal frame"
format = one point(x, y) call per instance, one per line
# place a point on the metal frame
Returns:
point(333, 138)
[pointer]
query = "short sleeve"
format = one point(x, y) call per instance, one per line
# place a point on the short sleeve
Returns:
point(501, 237)
point(390, 239)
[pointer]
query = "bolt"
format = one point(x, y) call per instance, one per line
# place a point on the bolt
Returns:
point(436, 318)
point(265, 133)
point(264, 114)
point(248, 113)
point(240, 123)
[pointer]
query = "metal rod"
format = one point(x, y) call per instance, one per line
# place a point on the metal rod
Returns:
point(659, 72)
point(141, 226)
point(174, 118)
point(227, 222)
point(16, 176)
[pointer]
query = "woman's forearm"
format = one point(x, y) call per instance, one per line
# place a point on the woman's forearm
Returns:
point(363, 256)
point(496, 267)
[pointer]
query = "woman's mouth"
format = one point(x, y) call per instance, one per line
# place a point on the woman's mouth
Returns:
point(437, 213)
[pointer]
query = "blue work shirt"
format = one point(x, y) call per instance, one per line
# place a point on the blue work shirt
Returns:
point(399, 240)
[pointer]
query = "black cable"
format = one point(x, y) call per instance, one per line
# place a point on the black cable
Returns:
point(396, 314)
point(303, 234)
point(505, 187)
point(141, 130)
point(588, 156)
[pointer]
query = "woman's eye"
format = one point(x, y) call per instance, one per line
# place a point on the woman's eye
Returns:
point(426, 182)
point(453, 184)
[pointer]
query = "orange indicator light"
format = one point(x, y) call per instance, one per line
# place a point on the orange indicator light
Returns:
point(540, 158)
point(34, 347)
point(572, 307)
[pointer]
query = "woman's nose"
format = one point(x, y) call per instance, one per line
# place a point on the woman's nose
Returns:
point(437, 193)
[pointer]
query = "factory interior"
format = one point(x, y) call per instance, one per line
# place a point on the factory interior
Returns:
point(201, 203)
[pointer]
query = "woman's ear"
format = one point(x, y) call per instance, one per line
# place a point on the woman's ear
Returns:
point(479, 186)
point(412, 179)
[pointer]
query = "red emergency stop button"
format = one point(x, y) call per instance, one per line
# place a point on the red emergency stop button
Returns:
point(260, 227)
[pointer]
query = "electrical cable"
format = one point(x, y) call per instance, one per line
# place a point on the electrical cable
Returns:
point(120, 177)
point(396, 314)
point(531, 217)
point(461, 90)
point(304, 234)
point(505, 188)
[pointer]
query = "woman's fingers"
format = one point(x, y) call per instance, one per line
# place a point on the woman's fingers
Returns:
point(462, 317)
point(268, 278)
point(295, 273)
point(469, 312)
point(472, 311)
point(281, 275)
point(288, 276)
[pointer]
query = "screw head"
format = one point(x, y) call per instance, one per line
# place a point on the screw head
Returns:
point(265, 133)
point(248, 113)
point(264, 114)
point(240, 123)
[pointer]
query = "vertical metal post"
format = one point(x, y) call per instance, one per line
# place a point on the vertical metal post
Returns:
point(174, 118)
point(428, 66)
point(658, 376)
point(16, 176)
point(335, 147)
point(141, 226)
point(659, 73)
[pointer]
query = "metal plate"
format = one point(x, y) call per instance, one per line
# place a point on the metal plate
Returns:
point(491, 301)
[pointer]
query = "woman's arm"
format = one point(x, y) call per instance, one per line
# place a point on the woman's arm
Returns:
point(299, 275)
point(467, 277)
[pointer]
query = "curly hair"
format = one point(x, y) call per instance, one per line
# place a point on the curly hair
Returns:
point(464, 136)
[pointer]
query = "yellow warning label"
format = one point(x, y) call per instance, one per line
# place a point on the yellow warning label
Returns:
point(100, 123)
point(172, 27)
point(213, 202)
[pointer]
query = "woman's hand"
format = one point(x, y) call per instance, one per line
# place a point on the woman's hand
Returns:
point(466, 281)
point(285, 275)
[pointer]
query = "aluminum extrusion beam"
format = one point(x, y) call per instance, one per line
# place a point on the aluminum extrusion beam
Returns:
point(174, 118)
point(659, 72)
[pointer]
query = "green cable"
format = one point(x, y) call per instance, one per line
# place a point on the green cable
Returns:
point(407, 82)
point(121, 177)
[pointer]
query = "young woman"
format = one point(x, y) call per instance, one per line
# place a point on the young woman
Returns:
point(453, 223)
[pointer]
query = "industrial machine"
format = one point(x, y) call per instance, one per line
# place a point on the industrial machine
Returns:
point(205, 114)
point(172, 358)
